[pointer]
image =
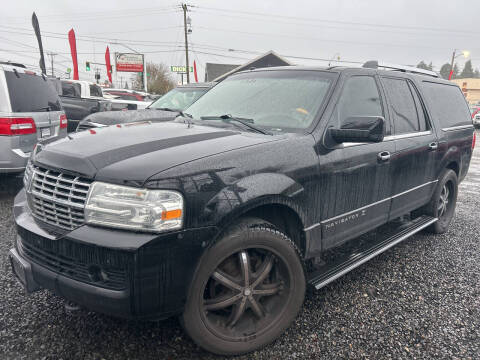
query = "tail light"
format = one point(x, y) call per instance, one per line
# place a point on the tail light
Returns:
point(17, 126)
point(63, 121)
point(474, 139)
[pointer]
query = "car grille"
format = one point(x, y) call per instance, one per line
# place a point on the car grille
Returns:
point(90, 264)
point(58, 198)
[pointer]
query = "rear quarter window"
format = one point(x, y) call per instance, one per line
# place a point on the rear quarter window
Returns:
point(446, 104)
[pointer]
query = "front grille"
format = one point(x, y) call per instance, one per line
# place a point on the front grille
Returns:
point(89, 264)
point(58, 198)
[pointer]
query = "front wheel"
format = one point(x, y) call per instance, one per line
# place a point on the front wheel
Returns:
point(247, 290)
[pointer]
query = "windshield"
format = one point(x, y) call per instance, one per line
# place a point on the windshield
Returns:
point(71, 89)
point(179, 98)
point(282, 101)
point(95, 90)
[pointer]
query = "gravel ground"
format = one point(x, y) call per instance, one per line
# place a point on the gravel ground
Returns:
point(420, 299)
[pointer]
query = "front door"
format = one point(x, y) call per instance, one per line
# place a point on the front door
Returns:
point(413, 163)
point(355, 180)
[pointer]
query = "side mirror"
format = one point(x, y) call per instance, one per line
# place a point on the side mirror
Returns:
point(359, 129)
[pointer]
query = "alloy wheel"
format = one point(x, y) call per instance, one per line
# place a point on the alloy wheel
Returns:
point(246, 294)
point(444, 199)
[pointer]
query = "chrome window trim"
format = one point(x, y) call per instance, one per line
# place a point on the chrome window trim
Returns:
point(393, 137)
point(407, 135)
point(369, 205)
point(459, 127)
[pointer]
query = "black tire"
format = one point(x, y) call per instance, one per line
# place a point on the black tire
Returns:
point(265, 304)
point(437, 206)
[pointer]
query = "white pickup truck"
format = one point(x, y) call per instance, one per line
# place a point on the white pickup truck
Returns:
point(90, 90)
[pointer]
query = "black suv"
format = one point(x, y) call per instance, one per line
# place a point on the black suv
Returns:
point(225, 215)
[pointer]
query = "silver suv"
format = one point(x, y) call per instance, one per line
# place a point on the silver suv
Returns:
point(30, 110)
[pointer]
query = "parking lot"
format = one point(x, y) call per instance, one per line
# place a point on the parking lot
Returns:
point(420, 299)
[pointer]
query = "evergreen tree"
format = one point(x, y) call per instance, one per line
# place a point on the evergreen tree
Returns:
point(476, 74)
point(467, 71)
point(445, 70)
point(422, 65)
point(430, 66)
point(456, 70)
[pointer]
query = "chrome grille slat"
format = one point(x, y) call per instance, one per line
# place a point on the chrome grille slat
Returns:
point(58, 198)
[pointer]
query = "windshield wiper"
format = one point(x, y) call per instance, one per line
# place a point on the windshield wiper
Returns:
point(244, 121)
point(180, 112)
point(45, 108)
point(168, 109)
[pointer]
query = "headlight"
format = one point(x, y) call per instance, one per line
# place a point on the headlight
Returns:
point(27, 176)
point(134, 209)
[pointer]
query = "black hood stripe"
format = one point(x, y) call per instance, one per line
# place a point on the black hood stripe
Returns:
point(103, 159)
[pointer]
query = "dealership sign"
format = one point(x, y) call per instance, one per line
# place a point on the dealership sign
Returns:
point(129, 62)
point(180, 69)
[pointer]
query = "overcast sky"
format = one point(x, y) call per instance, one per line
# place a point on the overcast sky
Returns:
point(397, 31)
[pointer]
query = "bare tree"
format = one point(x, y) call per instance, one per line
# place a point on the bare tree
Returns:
point(159, 79)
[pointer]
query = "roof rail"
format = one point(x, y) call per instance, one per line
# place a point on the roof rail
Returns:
point(12, 64)
point(374, 64)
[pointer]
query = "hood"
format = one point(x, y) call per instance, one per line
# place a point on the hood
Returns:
point(133, 153)
point(129, 116)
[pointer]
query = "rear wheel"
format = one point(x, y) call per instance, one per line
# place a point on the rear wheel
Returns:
point(443, 202)
point(247, 290)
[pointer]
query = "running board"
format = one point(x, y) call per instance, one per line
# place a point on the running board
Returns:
point(330, 272)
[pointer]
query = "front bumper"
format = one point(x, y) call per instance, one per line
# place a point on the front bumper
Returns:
point(120, 273)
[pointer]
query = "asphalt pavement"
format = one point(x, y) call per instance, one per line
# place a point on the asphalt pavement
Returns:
point(419, 300)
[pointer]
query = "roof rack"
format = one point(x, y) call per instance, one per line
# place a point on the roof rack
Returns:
point(374, 64)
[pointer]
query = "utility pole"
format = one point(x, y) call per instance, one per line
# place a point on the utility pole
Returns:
point(52, 55)
point(451, 66)
point(187, 67)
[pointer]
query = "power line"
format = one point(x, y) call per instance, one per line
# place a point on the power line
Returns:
point(270, 16)
point(76, 18)
point(396, 45)
point(129, 11)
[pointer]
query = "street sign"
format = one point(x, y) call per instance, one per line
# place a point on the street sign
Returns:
point(180, 69)
point(129, 62)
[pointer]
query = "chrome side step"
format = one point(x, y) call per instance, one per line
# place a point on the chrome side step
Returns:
point(329, 273)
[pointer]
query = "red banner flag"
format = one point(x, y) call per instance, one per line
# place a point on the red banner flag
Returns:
point(107, 62)
point(73, 50)
point(195, 70)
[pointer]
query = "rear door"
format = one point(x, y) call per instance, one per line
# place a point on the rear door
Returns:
point(413, 163)
point(33, 96)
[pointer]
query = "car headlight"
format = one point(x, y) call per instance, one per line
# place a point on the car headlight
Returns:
point(27, 176)
point(131, 208)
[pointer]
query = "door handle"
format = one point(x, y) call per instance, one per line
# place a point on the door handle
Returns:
point(433, 146)
point(383, 156)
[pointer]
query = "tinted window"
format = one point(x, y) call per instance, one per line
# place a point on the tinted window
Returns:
point(279, 100)
point(179, 98)
point(71, 89)
point(31, 93)
point(402, 105)
point(422, 114)
point(359, 97)
point(446, 104)
point(95, 90)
